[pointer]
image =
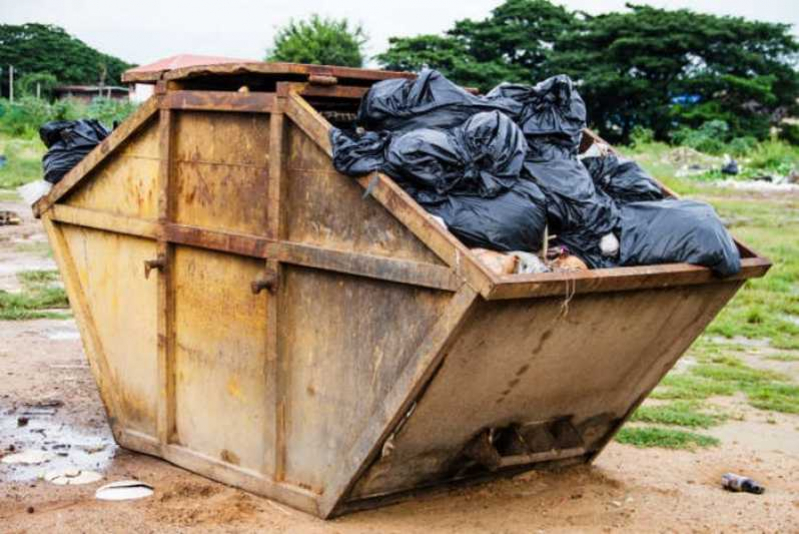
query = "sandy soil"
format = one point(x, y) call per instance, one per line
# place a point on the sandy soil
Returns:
point(44, 378)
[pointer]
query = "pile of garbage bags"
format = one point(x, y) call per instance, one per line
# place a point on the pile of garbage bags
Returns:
point(504, 170)
point(68, 142)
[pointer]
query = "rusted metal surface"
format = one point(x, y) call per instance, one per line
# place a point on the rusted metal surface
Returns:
point(325, 349)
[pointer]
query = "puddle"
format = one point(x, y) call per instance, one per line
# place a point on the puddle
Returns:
point(30, 428)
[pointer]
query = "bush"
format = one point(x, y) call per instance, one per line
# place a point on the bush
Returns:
point(709, 138)
point(110, 111)
point(641, 136)
point(774, 156)
point(790, 133)
point(740, 146)
point(23, 117)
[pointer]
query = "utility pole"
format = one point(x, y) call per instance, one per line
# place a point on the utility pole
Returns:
point(38, 90)
point(11, 83)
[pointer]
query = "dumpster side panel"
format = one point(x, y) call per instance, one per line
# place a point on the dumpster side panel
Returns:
point(221, 171)
point(584, 361)
point(123, 305)
point(125, 184)
point(345, 341)
point(327, 209)
point(220, 357)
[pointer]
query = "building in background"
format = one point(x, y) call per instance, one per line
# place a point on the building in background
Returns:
point(86, 93)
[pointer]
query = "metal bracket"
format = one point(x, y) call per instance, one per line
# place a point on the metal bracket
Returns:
point(158, 263)
point(268, 281)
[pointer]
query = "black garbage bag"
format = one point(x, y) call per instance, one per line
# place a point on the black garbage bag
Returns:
point(513, 220)
point(483, 157)
point(429, 101)
point(578, 214)
point(551, 114)
point(356, 155)
point(622, 179)
point(673, 231)
point(68, 142)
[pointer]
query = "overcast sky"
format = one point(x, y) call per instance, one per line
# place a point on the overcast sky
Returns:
point(142, 31)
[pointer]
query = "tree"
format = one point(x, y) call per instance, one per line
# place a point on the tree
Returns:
point(664, 69)
point(321, 41)
point(644, 67)
point(28, 84)
point(44, 49)
point(513, 44)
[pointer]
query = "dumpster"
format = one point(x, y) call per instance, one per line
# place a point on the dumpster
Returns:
point(253, 316)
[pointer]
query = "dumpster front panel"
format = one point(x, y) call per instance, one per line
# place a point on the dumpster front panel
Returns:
point(220, 360)
point(123, 307)
point(127, 184)
point(345, 341)
point(222, 171)
point(327, 209)
point(574, 366)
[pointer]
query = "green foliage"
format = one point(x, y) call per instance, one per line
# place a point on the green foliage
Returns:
point(45, 82)
point(41, 48)
point(515, 43)
point(109, 110)
point(680, 413)
point(318, 40)
point(40, 294)
point(665, 438)
point(790, 133)
point(640, 137)
point(23, 161)
point(23, 117)
point(644, 67)
point(709, 138)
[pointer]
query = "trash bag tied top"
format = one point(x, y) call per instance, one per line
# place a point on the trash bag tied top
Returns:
point(482, 157)
point(68, 142)
point(429, 101)
point(551, 114)
point(622, 179)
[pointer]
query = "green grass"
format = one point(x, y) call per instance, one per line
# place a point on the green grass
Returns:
point(677, 413)
point(683, 386)
point(666, 438)
point(39, 296)
point(41, 248)
point(783, 358)
point(775, 397)
point(23, 162)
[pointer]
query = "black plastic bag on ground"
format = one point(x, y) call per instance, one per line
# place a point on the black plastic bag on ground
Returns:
point(428, 101)
point(483, 157)
point(513, 220)
point(68, 142)
point(622, 179)
point(551, 114)
point(578, 213)
point(673, 231)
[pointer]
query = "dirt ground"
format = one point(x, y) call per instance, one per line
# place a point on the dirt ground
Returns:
point(44, 379)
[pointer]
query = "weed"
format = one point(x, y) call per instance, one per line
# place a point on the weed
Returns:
point(679, 413)
point(667, 438)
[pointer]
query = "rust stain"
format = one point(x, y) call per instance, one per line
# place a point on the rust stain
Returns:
point(233, 387)
point(229, 457)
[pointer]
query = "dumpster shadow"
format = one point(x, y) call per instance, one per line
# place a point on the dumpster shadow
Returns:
point(583, 493)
